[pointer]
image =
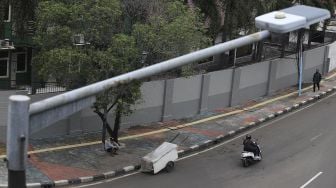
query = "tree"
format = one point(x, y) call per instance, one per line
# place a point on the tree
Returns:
point(173, 31)
point(122, 56)
point(113, 36)
point(102, 52)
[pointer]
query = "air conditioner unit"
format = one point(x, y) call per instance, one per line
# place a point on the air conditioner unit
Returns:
point(6, 44)
point(78, 39)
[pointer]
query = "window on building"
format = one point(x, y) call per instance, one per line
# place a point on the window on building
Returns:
point(3, 67)
point(7, 15)
point(3, 54)
point(21, 63)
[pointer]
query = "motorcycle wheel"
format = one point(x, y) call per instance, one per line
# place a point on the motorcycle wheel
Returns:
point(245, 163)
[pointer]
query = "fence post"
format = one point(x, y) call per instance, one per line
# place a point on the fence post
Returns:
point(204, 93)
point(271, 77)
point(17, 140)
point(168, 100)
point(326, 61)
point(236, 73)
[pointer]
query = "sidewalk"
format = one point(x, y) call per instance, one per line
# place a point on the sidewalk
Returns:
point(72, 160)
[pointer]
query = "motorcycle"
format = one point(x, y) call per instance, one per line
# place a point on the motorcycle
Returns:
point(249, 158)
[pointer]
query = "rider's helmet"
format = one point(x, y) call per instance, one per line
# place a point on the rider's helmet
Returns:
point(248, 136)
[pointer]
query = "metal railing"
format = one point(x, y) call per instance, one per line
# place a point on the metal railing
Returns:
point(34, 87)
point(45, 87)
point(25, 118)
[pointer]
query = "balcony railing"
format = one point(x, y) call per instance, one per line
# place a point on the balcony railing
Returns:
point(33, 88)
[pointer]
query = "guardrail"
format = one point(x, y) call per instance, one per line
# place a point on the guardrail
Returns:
point(24, 118)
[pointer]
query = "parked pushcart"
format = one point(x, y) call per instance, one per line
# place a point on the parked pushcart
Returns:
point(163, 157)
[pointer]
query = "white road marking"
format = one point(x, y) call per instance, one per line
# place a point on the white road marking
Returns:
point(312, 179)
point(315, 137)
point(109, 180)
point(243, 134)
point(228, 141)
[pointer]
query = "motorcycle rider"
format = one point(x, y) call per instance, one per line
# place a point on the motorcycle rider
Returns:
point(251, 146)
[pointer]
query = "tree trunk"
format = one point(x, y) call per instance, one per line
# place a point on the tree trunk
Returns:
point(117, 122)
point(227, 34)
point(106, 126)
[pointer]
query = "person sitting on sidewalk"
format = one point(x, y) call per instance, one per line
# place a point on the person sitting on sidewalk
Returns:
point(111, 146)
point(317, 79)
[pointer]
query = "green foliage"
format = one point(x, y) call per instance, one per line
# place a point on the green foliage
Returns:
point(58, 21)
point(240, 14)
point(105, 53)
point(177, 30)
point(211, 9)
point(122, 56)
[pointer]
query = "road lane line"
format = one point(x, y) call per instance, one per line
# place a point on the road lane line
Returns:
point(244, 133)
point(315, 137)
point(260, 127)
point(106, 181)
point(312, 179)
point(228, 141)
point(197, 153)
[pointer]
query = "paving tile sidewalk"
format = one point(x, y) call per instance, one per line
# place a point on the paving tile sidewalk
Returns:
point(91, 160)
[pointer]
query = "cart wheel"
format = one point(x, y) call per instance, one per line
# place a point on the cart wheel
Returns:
point(169, 166)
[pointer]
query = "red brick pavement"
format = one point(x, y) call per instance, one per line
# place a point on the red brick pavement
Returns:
point(250, 119)
point(210, 133)
point(59, 172)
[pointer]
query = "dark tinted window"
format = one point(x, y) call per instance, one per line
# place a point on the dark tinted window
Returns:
point(3, 54)
point(3, 67)
point(21, 63)
point(6, 15)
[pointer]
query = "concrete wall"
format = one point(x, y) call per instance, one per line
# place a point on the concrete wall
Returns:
point(313, 59)
point(332, 56)
point(253, 82)
point(220, 83)
point(185, 97)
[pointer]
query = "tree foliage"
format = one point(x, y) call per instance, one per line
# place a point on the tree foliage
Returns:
point(104, 53)
point(115, 35)
point(174, 31)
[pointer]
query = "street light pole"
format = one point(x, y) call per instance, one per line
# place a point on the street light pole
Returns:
point(17, 141)
point(291, 19)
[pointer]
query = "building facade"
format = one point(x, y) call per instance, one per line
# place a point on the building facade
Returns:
point(15, 54)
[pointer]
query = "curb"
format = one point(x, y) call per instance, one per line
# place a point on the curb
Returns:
point(181, 153)
point(88, 179)
point(221, 138)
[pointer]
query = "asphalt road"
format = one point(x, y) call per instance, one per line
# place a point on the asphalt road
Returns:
point(298, 149)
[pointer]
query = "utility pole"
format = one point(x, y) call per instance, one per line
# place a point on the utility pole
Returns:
point(17, 140)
